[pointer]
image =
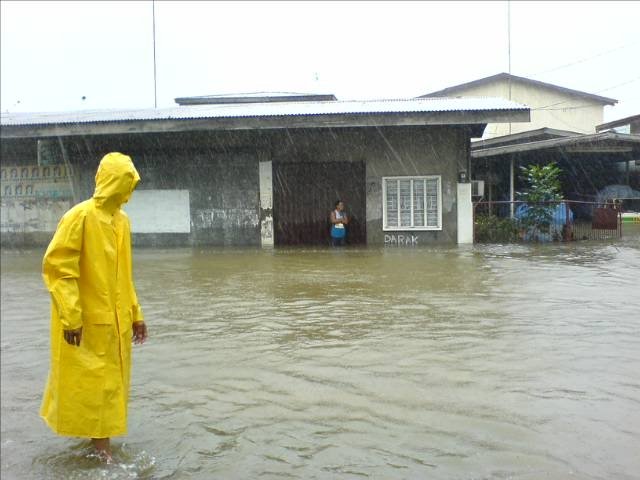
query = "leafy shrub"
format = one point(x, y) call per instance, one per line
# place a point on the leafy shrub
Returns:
point(493, 229)
point(544, 187)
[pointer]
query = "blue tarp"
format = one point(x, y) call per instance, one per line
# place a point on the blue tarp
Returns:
point(558, 220)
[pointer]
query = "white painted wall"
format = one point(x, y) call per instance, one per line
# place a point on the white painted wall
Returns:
point(31, 214)
point(159, 211)
point(266, 203)
point(549, 108)
point(465, 214)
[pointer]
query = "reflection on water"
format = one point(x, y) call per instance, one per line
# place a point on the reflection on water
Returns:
point(443, 363)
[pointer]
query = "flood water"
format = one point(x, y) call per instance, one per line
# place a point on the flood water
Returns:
point(484, 362)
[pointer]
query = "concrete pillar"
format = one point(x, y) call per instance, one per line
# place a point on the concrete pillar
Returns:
point(266, 203)
point(465, 214)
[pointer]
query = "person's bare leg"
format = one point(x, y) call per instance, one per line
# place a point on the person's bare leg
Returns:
point(103, 448)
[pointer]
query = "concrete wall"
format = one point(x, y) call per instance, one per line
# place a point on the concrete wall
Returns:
point(561, 111)
point(220, 170)
point(222, 181)
point(390, 151)
point(415, 152)
point(223, 196)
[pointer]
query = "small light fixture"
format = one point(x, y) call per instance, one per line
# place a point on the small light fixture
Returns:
point(462, 176)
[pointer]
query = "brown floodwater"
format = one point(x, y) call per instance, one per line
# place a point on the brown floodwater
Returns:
point(483, 362)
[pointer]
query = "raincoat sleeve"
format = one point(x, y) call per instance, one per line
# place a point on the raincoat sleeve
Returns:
point(137, 313)
point(136, 309)
point(61, 269)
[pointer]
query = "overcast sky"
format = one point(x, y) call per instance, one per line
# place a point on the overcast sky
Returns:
point(55, 53)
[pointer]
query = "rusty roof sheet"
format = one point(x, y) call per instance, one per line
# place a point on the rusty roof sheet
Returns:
point(253, 110)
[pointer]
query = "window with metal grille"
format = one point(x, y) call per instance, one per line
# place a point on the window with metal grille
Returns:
point(412, 203)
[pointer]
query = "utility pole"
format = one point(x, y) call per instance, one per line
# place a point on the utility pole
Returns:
point(155, 91)
point(509, 48)
point(512, 166)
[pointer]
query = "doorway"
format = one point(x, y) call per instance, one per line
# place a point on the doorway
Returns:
point(305, 193)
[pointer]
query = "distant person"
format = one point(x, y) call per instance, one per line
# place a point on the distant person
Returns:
point(95, 314)
point(339, 221)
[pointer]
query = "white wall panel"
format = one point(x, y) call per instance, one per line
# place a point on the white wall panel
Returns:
point(159, 211)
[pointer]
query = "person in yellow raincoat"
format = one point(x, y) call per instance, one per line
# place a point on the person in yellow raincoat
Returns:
point(95, 314)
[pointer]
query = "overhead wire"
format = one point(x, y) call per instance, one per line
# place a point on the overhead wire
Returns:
point(546, 107)
point(583, 60)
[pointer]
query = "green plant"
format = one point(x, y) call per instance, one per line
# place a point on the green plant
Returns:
point(544, 187)
point(493, 229)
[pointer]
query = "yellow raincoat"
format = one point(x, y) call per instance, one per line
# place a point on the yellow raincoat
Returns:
point(87, 269)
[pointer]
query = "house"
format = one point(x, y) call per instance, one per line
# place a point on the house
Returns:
point(623, 125)
point(566, 127)
point(551, 106)
point(256, 170)
point(590, 162)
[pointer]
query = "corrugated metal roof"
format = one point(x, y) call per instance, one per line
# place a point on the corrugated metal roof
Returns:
point(543, 133)
point(618, 123)
point(252, 110)
point(255, 97)
point(591, 139)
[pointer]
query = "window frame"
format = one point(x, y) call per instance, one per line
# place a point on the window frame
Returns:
point(413, 178)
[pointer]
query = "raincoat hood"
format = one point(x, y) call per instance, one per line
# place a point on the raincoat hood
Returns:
point(115, 180)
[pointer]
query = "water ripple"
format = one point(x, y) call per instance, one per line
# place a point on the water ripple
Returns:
point(514, 362)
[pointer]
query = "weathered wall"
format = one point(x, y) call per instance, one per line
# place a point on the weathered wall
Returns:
point(221, 177)
point(224, 194)
point(389, 151)
point(415, 152)
point(312, 169)
point(33, 199)
point(221, 172)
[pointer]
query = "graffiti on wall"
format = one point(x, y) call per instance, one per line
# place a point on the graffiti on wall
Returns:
point(34, 197)
point(266, 203)
point(31, 215)
point(49, 181)
point(401, 240)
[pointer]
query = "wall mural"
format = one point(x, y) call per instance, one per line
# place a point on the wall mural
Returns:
point(50, 181)
point(34, 197)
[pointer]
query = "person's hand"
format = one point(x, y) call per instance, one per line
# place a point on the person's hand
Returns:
point(73, 337)
point(139, 333)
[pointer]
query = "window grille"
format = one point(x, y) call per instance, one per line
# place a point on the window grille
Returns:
point(412, 203)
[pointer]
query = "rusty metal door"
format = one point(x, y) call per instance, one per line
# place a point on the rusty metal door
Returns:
point(304, 194)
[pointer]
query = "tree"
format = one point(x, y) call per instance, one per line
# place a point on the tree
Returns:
point(544, 188)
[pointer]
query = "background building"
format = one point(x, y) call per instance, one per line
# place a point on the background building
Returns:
point(256, 171)
point(551, 106)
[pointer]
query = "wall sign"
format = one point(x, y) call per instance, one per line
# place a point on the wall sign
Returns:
point(159, 211)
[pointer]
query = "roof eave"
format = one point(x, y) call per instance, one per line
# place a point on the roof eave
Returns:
point(514, 137)
point(265, 123)
point(618, 123)
point(451, 91)
point(588, 140)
